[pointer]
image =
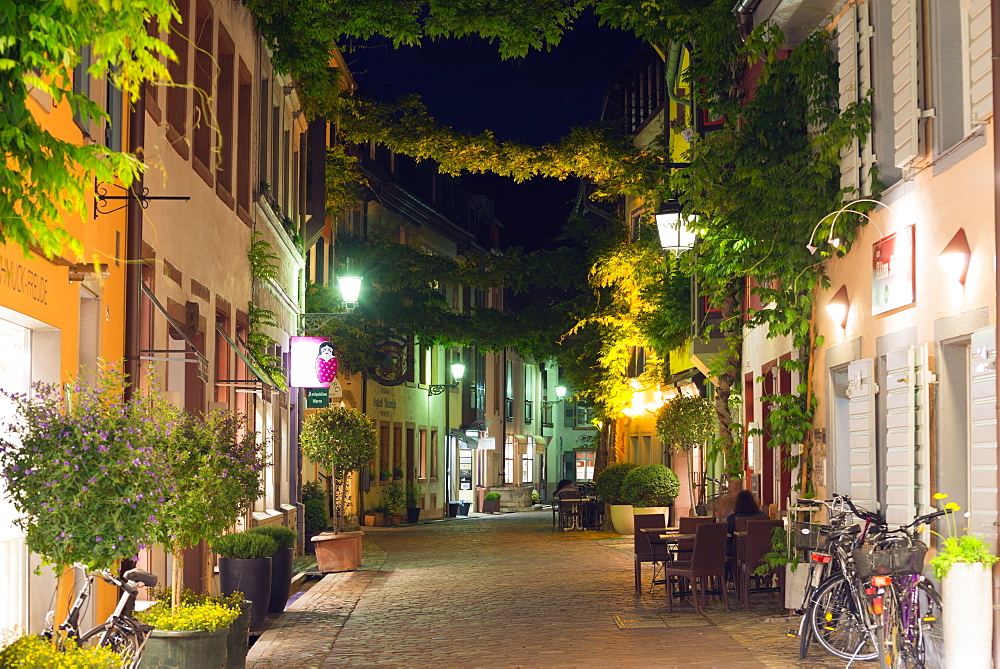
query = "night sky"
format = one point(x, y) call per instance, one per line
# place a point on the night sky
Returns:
point(534, 100)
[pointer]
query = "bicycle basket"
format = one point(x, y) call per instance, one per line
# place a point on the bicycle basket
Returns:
point(808, 537)
point(893, 559)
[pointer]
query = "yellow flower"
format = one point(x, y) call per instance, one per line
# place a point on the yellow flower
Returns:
point(952, 506)
point(940, 495)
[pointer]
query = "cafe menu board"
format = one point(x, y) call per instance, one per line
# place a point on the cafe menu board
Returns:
point(893, 271)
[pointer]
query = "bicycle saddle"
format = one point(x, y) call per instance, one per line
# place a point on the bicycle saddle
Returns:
point(853, 529)
point(140, 576)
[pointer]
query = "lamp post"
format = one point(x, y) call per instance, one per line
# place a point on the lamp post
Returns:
point(457, 372)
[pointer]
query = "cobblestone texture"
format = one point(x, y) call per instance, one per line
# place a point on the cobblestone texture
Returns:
point(507, 591)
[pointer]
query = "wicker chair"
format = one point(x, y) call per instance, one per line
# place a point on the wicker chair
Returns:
point(645, 551)
point(707, 563)
point(758, 544)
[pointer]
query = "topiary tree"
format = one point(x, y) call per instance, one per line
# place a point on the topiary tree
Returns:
point(650, 485)
point(342, 440)
point(608, 483)
point(685, 423)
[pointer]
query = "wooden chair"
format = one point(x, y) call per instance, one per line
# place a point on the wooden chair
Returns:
point(707, 563)
point(644, 550)
point(689, 525)
point(758, 544)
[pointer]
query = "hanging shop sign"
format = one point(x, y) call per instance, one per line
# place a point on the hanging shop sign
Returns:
point(317, 398)
point(487, 443)
point(313, 362)
point(893, 271)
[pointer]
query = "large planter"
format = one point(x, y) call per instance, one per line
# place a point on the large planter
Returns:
point(795, 585)
point(463, 508)
point(238, 639)
point(253, 579)
point(338, 552)
point(491, 506)
point(412, 514)
point(309, 548)
point(281, 579)
point(621, 518)
point(373, 520)
point(186, 649)
point(966, 594)
point(396, 519)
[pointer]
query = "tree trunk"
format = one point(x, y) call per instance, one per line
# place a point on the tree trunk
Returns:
point(177, 577)
point(728, 375)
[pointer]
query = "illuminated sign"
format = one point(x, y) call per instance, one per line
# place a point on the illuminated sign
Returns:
point(892, 271)
point(313, 363)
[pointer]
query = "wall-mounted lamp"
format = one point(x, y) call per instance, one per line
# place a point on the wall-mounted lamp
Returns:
point(839, 306)
point(833, 241)
point(349, 284)
point(955, 256)
point(560, 394)
point(672, 227)
point(457, 372)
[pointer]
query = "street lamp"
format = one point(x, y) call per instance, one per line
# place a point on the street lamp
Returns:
point(457, 372)
point(349, 284)
point(672, 227)
point(560, 393)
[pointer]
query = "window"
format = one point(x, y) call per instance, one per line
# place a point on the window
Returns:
point(204, 73)
point(509, 383)
point(224, 101)
point(243, 142)
point(637, 361)
point(508, 460)
point(422, 456)
point(578, 415)
point(585, 465)
point(397, 447)
point(81, 86)
point(530, 374)
point(222, 356)
point(114, 128)
point(383, 449)
point(528, 462)
point(434, 454)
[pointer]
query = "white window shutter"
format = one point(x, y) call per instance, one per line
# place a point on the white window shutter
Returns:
point(983, 436)
point(865, 84)
point(900, 436)
point(861, 405)
point(979, 72)
point(905, 81)
point(922, 439)
point(847, 55)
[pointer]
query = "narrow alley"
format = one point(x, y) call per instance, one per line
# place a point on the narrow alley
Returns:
point(508, 591)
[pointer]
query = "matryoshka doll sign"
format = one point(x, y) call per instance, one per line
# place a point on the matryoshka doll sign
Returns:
point(313, 362)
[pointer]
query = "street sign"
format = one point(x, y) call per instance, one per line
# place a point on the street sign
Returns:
point(317, 398)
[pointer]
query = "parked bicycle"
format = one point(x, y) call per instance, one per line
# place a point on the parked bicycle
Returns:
point(834, 613)
point(906, 605)
point(120, 632)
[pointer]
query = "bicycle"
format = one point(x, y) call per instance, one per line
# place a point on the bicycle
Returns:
point(906, 605)
point(706, 502)
point(120, 632)
point(832, 611)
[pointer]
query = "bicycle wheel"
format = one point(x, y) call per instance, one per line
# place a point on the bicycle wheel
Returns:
point(890, 631)
point(922, 626)
point(122, 642)
point(836, 623)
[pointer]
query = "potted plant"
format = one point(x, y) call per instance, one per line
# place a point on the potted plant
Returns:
point(394, 501)
point(686, 423)
point(413, 497)
point(491, 502)
point(397, 474)
point(607, 487)
point(384, 474)
point(963, 563)
point(650, 489)
point(314, 508)
point(342, 440)
point(193, 634)
point(245, 566)
point(281, 563)
point(35, 651)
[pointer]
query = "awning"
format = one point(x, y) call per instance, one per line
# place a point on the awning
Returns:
point(199, 359)
point(540, 444)
point(519, 438)
point(262, 378)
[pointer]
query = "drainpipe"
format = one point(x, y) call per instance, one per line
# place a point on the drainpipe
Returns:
point(995, 31)
point(133, 250)
point(744, 10)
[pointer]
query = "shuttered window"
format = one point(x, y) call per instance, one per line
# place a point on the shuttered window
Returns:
point(976, 20)
point(983, 436)
point(906, 81)
point(861, 398)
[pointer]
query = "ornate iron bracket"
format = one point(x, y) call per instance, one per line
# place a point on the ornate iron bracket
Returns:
point(316, 322)
point(102, 199)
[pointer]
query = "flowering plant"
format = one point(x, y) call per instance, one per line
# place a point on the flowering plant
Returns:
point(80, 472)
point(34, 651)
point(965, 548)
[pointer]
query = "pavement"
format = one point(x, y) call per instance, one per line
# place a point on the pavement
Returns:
point(507, 591)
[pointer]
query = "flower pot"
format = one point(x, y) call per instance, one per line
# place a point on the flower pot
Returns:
point(396, 519)
point(281, 579)
point(968, 632)
point(338, 552)
point(413, 514)
point(795, 585)
point(621, 518)
point(453, 509)
point(374, 519)
point(491, 506)
point(194, 649)
point(253, 579)
point(238, 639)
point(463, 508)
point(309, 548)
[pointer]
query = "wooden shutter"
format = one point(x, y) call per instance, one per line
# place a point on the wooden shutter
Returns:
point(983, 436)
point(865, 84)
point(907, 470)
point(980, 84)
point(847, 55)
point(905, 81)
point(861, 399)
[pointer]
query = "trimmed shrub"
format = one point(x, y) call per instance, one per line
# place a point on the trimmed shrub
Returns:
point(492, 497)
point(283, 536)
point(244, 546)
point(650, 485)
point(316, 518)
point(608, 483)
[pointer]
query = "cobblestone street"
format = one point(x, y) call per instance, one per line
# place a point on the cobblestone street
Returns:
point(508, 591)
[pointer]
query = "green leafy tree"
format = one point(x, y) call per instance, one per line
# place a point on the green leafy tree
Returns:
point(44, 177)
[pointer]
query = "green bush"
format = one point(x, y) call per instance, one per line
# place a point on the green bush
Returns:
point(650, 485)
point(34, 651)
point(608, 483)
point(313, 490)
point(394, 497)
point(244, 546)
point(413, 493)
point(316, 518)
point(492, 497)
point(283, 536)
point(207, 617)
